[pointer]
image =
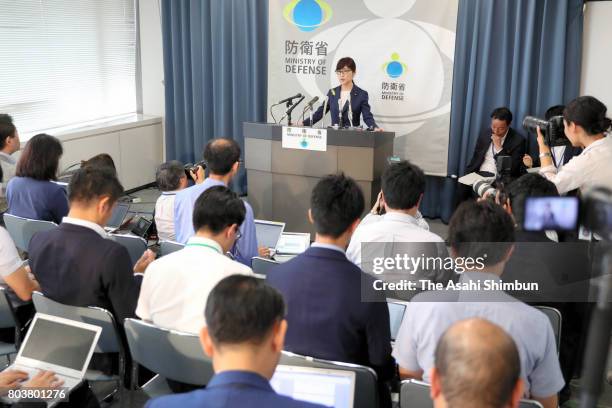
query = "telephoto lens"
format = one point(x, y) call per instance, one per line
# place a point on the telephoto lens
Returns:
point(482, 188)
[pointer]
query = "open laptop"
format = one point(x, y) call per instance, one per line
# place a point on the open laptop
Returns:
point(118, 217)
point(59, 345)
point(333, 388)
point(396, 315)
point(268, 233)
point(293, 243)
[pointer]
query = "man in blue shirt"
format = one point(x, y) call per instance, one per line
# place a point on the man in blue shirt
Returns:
point(244, 336)
point(222, 157)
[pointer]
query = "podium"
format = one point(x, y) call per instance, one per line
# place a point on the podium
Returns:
point(281, 180)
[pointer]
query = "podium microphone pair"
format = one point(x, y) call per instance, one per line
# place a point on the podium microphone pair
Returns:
point(292, 105)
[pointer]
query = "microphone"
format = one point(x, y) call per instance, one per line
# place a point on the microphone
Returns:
point(290, 98)
point(288, 113)
point(311, 103)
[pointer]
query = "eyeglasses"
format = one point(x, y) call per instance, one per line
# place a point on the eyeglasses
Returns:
point(238, 234)
point(343, 71)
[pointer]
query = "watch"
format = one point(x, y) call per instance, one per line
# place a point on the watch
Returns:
point(545, 154)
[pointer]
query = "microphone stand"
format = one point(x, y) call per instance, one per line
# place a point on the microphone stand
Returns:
point(598, 341)
point(291, 108)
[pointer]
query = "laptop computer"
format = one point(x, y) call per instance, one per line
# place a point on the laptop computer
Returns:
point(293, 243)
point(396, 315)
point(59, 345)
point(268, 233)
point(118, 217)
point(333, 388)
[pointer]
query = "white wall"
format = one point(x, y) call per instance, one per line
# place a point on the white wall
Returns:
point(596, 78)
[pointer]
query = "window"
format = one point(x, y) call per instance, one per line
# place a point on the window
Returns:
point(65, 62)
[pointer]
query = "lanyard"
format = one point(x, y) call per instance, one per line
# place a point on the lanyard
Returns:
point(205, 245)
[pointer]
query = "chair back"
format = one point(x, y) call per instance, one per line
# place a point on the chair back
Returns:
point(554, 315)
point(109, 341)
point(136, 246)
point(366, 380)
point(169, 353)
point(22, 229)
point(415, 394)
point(7, 316)
point(262, 266)
point(167, 247)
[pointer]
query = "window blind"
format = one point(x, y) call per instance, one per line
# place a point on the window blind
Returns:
point(65, 62)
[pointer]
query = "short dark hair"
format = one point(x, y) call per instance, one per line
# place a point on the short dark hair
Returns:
point(216, 208)
point(90, 182)
point(479, 228)
point(169, 174)
point(346, 62)
point(242, 309)
point(589, 113)
point(336, 202)
point(502, 113)
point(473, 375)
point(221, 154)
point(40, 158)
point(553, 111)
point(403, 184)
point(100, 160)
point(528, 185)
point(7, 128)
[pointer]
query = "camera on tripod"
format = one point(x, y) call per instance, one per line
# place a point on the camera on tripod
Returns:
point(553, 130)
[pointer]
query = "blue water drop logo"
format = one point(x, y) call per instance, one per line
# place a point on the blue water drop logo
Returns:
point(307, 15)
point(395, 68)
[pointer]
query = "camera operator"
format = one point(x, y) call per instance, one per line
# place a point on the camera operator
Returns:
point(585, 124)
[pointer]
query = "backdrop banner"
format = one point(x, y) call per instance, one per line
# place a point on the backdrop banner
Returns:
point(404, 52)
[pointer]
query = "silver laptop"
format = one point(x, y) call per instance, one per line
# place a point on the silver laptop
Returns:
point(268, 233)
point(396, 315)
point(293, 243)
point(116, 220)
point(332, 388)
point(59, 345)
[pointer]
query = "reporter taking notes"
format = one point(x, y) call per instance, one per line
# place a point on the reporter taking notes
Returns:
point(346, 102)
point(585, 124)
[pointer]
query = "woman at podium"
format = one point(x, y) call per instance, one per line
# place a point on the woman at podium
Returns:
point(347, 102)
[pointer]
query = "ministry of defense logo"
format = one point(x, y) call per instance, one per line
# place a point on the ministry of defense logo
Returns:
point(307, 15)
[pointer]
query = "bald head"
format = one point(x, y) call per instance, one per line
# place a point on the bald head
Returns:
point(477, 364)
point(221, 155)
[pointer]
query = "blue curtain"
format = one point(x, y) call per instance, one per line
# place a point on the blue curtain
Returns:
point(215, 72)
point(523, 54)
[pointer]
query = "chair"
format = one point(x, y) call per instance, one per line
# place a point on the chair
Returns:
point(7, 320)
point(262, 266)
point(366, 380)
point(110, 338)
point(171, 354)
point(136, 246)
point(167, 247)
point(415, 394)
point(22, 229)
point(554, 315)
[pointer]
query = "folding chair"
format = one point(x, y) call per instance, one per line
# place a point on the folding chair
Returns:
point(8, 320)
point(22, 229)
point(136, 246)
point(262, 266)
point(167, 247)
point(554, 315)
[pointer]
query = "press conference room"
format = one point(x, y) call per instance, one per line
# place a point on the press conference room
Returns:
point(306, 203)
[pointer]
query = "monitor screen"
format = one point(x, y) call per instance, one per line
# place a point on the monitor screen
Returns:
point(293, 243)
point(57, 343)
point(119, 213)
point(333, 388)
point(396, 314)
point(268, 233)
point(551, 213)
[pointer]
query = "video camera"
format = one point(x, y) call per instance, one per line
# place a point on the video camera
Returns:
point(593, 211)
point(552, 130)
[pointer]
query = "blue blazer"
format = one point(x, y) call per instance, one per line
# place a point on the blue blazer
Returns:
point(359, 106)
point(231, 389)
point(326, 315)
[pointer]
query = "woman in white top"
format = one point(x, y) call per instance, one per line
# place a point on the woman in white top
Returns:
point(585, 126)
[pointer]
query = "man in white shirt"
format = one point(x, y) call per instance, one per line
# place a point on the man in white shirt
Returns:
point(478, 229)
point(9, 144)
point(175, 288)
point(171, 178)
point(403, 186)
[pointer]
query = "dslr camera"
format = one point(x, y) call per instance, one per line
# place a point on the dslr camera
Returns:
point(503, 178)
point(552, 130)
point(190, 167)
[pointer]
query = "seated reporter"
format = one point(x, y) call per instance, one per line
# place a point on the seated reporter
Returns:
point(171, 178)
point(32, 192)
point(346, 102)
point(585, 124)
point(244, 336)
point(9, 145)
